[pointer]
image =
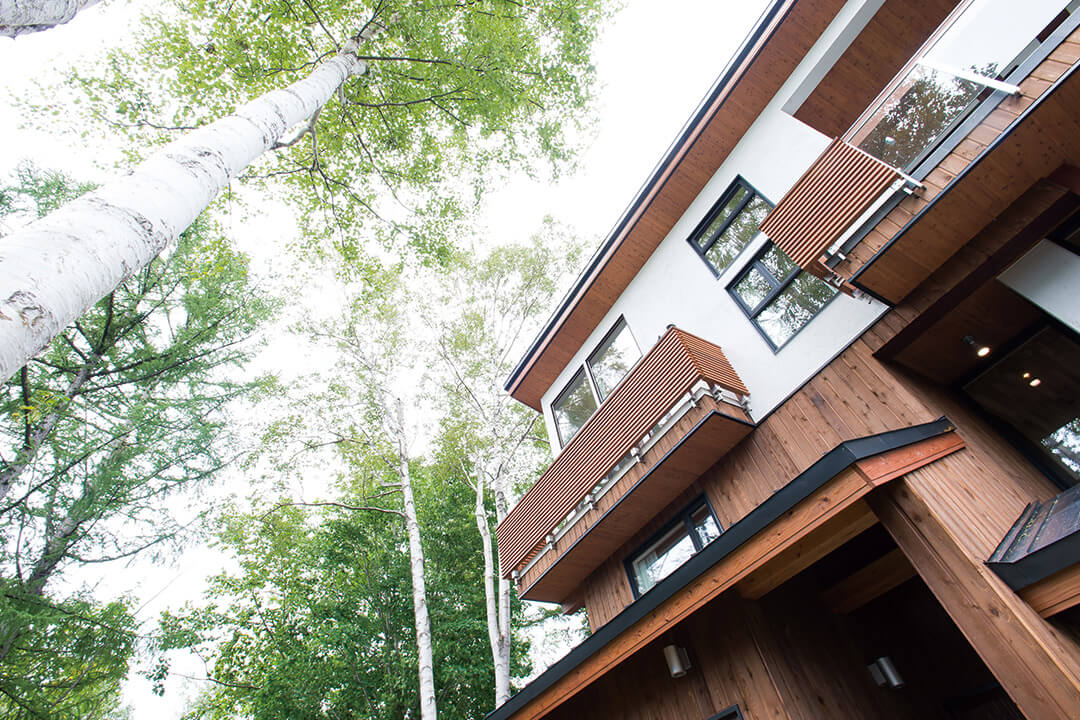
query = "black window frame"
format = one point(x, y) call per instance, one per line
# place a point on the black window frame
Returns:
point(562, 393)
point(738, 182)
point(683, 517)
point(619, 324)
point(778, 288)
point(731, 713)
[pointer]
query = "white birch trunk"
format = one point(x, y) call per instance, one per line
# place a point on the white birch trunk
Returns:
point(497, 602)
point(59, 266)
point(18, 17)
point(416, 569)
point(502, 662)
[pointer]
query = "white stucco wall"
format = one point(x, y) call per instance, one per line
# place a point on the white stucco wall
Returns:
point(676, 287)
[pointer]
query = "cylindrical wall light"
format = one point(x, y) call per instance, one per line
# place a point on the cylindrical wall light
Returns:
point(884, 672)
point(678, 661)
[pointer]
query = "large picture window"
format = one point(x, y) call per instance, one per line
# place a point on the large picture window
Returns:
point(778, 296)
point(694, 528)
point(730, 226)
point(612, 360)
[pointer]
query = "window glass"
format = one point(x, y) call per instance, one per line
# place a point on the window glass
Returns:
point(573, 407)
point(732, 227)
point(611, 361)
point(693, 529)
point(663, 558)
point(778, 297)
point(795, 306)
point(753, 288)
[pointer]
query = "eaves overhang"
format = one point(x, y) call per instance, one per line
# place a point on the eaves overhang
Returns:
point(834, 462)
point(779, 40)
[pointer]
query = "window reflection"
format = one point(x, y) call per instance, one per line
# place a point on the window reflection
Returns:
point(611, 362)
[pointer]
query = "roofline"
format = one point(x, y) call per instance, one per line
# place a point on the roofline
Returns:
point(798, 489)
point(684, 139)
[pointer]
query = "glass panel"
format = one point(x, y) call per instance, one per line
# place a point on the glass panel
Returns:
point(722, 216)
point(704, 525)
point(738, 234)
point(660, 560)
point(573, 408)
point(779, 264)
point(613, 360)
point(753, 288)
point(987, 39)
point(794, 307)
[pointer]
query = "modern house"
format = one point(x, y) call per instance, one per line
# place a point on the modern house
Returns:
point(816, 399)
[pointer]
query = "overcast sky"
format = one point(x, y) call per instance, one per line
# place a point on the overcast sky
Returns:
point(655, 63)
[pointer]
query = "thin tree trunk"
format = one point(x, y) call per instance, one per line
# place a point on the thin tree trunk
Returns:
point(416, 569)
point(502, 688)
point(497, 620)
point(18, 17)
point(56, 268)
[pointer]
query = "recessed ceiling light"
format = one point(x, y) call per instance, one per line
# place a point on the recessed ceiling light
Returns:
point(983, 351)
point(1035, 382)
point(1026, 375)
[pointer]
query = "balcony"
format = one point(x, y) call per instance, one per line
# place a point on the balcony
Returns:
point(676, 413)
point(987, 84)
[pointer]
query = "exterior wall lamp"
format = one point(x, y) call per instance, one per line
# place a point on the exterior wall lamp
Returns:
point(678, 661)
point(885, 674)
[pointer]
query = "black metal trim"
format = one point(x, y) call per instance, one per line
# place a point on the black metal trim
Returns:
point(802, 486)
point(1047, 47)
point(683, 516)
point(723, 82)
point(778, 288)
point(731, 713)
point(718, 206)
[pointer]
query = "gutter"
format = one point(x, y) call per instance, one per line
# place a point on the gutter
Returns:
point(798, 489)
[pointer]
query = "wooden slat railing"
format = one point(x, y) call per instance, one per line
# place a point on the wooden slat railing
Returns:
point(653, 387)
point(829, 197)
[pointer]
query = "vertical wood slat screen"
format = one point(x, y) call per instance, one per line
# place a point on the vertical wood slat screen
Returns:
point(829, 197)
point(666, 373)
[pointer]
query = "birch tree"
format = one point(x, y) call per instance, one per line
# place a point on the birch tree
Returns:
point(499, 301)
point(18, 17)
point(122, 413)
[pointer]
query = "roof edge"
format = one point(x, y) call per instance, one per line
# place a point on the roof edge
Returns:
point(683, 140)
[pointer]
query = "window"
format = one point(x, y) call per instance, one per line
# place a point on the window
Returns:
point(694, 528)
point(732, 713)
point(573, 407)
point(778, 296)
point(730, 226)
point(610, 362)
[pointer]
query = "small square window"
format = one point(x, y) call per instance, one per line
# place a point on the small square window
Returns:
point(573, 407)
point(690, 531)
point(730, 226)
point(779, 297)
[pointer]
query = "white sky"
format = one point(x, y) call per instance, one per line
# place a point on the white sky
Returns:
point(655, 63)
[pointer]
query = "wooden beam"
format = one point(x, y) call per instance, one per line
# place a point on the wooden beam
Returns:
point(1034, 663)
point(841, 528)
point(870, 582)
point(882, 468)
point(1056, 593)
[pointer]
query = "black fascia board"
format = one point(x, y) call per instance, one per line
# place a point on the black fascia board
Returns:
point(801, 487)
point(722, 82)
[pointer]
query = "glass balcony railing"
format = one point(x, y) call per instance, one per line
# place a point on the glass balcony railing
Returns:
point(970, 54)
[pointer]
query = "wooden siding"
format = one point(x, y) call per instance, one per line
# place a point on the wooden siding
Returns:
point(853, 397)
point(677, 183)
point(825, 202)
point(681, 455)
point(660, 379)
point(1049, 136)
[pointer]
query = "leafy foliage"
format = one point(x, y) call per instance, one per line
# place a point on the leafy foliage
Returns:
point(98, 438)
point(453, 91)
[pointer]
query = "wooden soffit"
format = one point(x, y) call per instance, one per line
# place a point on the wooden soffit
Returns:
point(787, 31)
